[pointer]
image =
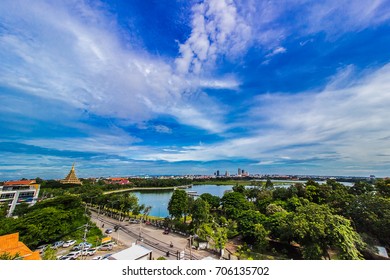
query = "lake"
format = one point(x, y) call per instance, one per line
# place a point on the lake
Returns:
point(159, 199)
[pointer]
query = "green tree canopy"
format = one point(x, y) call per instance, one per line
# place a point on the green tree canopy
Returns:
point(233, 203)
point(213, 200)
point(317, 230)
point(383, 187)
point(178, 204)
point(200, 211)
point(247, 223)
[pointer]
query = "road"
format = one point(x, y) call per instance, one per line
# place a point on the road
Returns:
point(150, 237)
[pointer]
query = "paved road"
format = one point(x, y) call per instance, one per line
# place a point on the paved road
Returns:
point(151, 238)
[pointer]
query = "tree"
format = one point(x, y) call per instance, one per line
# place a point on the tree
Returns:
point(274, 208)
point(214, 234)
point(178, 204)
point(269, 185)
point(233, 203)
point(3, 210)
point(49, 220)
point(8, 256)
point(239, 188)
point(371, 215)
point(200, 212)
point(383, 187)
point(360, 188)
point(247, 223)
point(21, 209)
point(213, 200)
point(317, 230)
point(49, 254)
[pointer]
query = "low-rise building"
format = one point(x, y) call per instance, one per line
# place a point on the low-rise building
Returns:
point(16, 192)
point(10, 244)
point(135, 252)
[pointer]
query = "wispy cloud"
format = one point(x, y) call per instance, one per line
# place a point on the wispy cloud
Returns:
point(346, 124)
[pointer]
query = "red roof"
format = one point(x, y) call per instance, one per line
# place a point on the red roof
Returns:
point(117, 179)
point(21, 182)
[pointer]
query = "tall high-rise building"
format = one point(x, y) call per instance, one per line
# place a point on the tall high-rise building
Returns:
point(217, 173)
point(227, 174)
point(239, 172)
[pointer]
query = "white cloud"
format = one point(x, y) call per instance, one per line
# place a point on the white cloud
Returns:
point(163, 129)
point(277, 50)
point(217, 29)
point(72, 53)
point(339, 125)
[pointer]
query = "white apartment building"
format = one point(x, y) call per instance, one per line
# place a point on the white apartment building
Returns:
point(15, 192)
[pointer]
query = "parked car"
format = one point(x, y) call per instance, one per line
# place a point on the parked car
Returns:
point(105, 247)
point(71, 256)
point(69, 243)
point(105, 257)
point(108, 231)
point(82, 245)
point(88, 252)
point(42, 248)
point(57, 244)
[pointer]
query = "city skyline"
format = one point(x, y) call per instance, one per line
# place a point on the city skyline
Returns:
point(191, 87)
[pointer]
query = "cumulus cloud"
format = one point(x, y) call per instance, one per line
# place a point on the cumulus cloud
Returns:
point(217, 30)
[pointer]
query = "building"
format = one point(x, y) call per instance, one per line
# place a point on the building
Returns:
point(119, 181)
point(239, 172)
point(135, 252)
point(71, 178)
point(16, 192)
point(10, 244)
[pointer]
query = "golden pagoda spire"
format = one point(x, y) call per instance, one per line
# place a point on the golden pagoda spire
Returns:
point(71, 178)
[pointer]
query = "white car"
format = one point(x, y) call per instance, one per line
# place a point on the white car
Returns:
point(88, 252)
point(69, 243)
point(82, 245)
point(71, 256)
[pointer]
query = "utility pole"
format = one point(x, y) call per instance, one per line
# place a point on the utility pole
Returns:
point(190, 239)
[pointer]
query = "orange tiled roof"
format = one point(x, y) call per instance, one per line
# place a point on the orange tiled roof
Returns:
point(21, 182)
point(10, 244)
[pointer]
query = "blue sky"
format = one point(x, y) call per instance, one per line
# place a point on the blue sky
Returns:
point(191, 87)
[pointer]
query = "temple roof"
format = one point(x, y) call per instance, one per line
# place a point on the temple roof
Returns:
point(71, 178)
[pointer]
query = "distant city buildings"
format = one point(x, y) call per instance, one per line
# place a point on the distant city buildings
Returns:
point(240, 173)
point(16, 192)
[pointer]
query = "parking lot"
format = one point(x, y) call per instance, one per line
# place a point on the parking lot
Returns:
point(61, 251)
